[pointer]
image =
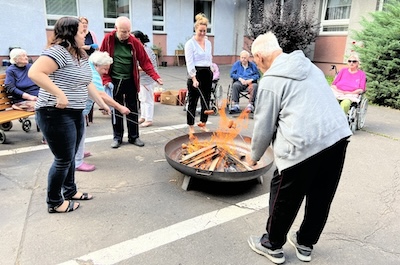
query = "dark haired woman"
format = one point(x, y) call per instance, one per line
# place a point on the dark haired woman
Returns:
point(64, 76)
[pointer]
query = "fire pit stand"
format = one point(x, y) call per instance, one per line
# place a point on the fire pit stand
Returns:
point(173, 153)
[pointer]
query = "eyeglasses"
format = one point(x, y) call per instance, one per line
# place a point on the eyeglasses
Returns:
point(352, 61)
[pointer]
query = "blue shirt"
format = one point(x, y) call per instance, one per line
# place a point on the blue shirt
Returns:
point(17, 82)
point(251, 72)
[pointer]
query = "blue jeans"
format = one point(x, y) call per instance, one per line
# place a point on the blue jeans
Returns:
point(62, 129)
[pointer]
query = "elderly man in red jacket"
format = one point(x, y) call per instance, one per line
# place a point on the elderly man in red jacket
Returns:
point(123, 77)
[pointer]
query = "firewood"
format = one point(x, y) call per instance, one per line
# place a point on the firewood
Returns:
point(200, 156)
point(236, 160)
point(214, 163)
point(195, 153)
point(204, 159)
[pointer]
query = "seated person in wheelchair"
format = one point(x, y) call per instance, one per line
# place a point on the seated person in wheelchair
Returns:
point(215, 70)
point(349, 83)
point(23, 90)
point(245, 75)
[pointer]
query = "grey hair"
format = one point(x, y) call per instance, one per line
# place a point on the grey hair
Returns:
point(265, 44)
point(355, 56)
point(100, 58)
point(15, 53)
point(245, 52)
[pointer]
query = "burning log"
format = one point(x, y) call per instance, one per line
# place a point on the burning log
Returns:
point(195, 153)
point(212, 157)
point(205, 158)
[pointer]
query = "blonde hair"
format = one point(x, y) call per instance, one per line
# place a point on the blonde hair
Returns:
point(15, 53)
point(265, 44)
point(100, 58)
point(201, 19)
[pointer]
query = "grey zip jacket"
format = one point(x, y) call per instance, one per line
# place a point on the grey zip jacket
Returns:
point(296, 111)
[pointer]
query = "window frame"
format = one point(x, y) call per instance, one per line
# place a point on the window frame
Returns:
point(210, 29)
point(334, 22)
point(108, 20)
point(55, 17)
point(159, 23)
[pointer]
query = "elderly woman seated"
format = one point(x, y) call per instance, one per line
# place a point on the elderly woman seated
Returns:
point(349, 83)
point(23, 90)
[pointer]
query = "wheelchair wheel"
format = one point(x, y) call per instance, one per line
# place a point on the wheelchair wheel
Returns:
point(6, 126)
point(352, 118)
point(26, 125)
point(218, 96)
point(362, 113)
point(229, 97)
point(2, 137)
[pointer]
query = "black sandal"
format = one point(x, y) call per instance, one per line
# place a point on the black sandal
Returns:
point(84, 197)
point(70, 207)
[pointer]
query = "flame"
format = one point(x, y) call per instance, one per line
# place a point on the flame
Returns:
point(228, 129)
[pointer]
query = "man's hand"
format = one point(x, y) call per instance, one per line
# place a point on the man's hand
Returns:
point(124, 110)
point(159, 81)
point(250, 161)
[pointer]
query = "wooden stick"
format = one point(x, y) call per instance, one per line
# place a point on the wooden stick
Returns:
point(200, 156)
point(195, 153)
point(203, 159)
point(236, 160)
point(214, 163)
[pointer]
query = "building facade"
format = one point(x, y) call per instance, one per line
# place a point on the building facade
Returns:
point(169, 23)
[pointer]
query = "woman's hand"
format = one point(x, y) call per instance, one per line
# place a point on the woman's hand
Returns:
point(105, 110)
point(62, 100)
point(195, 82)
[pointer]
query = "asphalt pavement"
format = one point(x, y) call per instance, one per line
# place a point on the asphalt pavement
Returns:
point(140, 213)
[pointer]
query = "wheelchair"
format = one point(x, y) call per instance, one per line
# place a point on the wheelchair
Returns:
point(229, 101)
point(215, 99)
point(357, 113)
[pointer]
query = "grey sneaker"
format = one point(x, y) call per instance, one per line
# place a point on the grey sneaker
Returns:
point(303, 253)
point(276, 256)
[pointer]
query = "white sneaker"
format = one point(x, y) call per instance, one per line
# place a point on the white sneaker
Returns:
point(303, 253)
point(276, 256)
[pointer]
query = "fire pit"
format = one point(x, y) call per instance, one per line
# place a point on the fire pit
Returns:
point(241, 144)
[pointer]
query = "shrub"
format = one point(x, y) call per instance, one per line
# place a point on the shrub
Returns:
point(293, 23)
point(379, 52)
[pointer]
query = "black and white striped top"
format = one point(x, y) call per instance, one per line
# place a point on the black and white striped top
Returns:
point(72, 77)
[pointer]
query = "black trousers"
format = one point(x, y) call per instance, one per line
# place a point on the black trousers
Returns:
point(204, 76)
point(315, 179)
point(125, 93)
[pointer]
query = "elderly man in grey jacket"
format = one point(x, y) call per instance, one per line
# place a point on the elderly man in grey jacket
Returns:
point(298, 114)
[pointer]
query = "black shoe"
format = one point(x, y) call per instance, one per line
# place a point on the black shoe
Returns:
point(115, 144)
point(136, 142)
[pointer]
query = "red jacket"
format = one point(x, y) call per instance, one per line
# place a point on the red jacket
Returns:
point(138, 54)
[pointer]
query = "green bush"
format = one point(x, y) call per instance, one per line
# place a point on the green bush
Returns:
point(378, 45)
point(292, 22)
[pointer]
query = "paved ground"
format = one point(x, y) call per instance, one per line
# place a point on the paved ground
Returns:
point(141, 215)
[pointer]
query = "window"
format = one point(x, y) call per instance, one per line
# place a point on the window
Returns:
point(206, 7)
point(158, 15)
point(56, 9)
point(380, 4)
point(336, 16)
point(114, 9)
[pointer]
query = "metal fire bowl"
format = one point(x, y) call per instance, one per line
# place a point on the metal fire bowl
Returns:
point(173, 151)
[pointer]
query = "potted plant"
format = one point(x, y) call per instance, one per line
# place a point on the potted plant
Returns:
point(180, 49)
point(157, 50)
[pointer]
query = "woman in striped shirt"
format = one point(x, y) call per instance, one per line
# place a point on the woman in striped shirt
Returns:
point(63, 74)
